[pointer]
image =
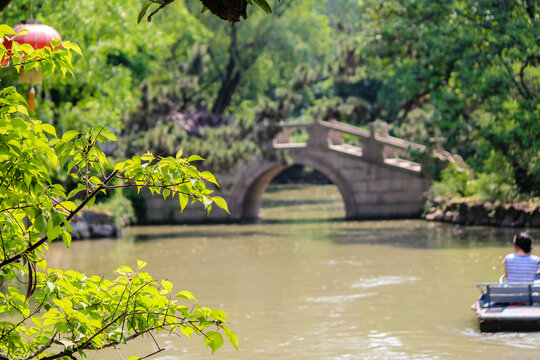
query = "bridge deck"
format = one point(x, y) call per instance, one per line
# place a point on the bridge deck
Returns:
point(357, 151)
point(404, 164)
point(347, 149)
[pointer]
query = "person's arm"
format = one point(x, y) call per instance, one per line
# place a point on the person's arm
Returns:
point(505, 269)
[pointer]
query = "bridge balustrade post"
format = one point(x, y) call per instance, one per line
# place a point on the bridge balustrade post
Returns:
point(284, 137)
point(388, 151)
point(373, 150)
point(318, 135)
point(335, 137)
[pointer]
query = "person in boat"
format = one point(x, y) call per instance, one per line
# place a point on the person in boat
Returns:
point(521, 267)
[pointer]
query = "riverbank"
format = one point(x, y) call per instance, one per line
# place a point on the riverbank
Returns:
point(91, 224)
point(464, 212)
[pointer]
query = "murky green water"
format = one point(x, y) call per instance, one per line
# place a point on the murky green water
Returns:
point(303, 284)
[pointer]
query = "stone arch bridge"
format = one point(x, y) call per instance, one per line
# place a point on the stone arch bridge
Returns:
point(375, 173)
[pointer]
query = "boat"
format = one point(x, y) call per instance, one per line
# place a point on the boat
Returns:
point(508, 307)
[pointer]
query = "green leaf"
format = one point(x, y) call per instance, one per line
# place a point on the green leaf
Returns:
point(69, 135)
point(49, 129)
point(219, 201)
point(165, 193)
point(206, 200)
point(148, 157)
point(53, 233)
point(208, 176)
point(95, 180)
point(71, 46)
point(80, 187)
point(120, 166)
point(40, 224)
point(263, 5)
point(22, 109)
point(109, 135)
point(214, 340)
point(143, 11)
point(91, 202)
point(233, 338)
point(67, 205)
point(186, 295)
point(6, 30)
point(187, 330)
point(66, 238)
point(218, 315)
point(167, 286)
point(194, 158)
point(183, 199)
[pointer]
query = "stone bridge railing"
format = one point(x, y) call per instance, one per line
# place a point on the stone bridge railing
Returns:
point(371, 145)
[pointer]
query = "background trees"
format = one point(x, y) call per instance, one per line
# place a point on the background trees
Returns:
point(472, 70)
point(464, 75)
point(118, 56)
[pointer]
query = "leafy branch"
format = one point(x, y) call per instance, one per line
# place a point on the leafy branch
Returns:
point(77, 311)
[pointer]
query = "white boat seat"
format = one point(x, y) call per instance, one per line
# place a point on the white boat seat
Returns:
point(508, 293)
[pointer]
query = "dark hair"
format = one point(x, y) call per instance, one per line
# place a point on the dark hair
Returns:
point(523, 241)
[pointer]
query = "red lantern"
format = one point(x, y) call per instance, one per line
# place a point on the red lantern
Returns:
point(39, 36)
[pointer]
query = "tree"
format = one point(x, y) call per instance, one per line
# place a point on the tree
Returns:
point(61, 314)
point(119, 56)
point(472, 67)
point(253, 59)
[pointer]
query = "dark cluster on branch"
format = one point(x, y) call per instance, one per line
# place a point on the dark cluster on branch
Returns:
point(230, 10)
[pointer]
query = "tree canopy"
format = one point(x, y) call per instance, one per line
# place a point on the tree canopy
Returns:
point(474, 66)
point(464, 75)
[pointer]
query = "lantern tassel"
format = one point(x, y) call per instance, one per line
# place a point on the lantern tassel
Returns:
point(31, 99)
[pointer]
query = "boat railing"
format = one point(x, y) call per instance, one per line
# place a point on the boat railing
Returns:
point(497, 294)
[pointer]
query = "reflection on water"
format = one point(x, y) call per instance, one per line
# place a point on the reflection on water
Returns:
point(303, 285)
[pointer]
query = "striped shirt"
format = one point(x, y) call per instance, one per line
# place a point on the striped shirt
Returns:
point(521, 268)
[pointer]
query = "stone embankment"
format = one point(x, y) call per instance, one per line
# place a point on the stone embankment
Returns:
point(477, 213)
point(91, 224)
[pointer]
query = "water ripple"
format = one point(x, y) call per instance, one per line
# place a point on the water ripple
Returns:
point(337, 299)
point(346, 262)
point(382, 340)
point(382, 281)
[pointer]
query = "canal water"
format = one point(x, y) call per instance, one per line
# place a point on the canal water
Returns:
point(303, 284)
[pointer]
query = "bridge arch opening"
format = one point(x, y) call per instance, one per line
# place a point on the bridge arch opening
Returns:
point(261, 174)
point(300, 174)
point(301, 194)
